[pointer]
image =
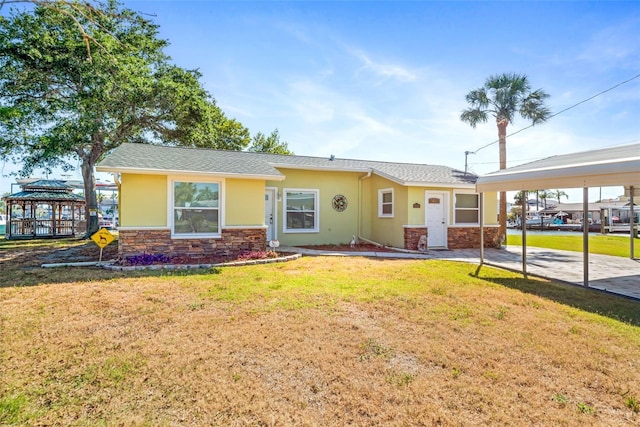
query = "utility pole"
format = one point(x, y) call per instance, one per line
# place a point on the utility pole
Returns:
point(466, 154)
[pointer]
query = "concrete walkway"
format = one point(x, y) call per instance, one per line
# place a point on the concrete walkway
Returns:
point(607, 273)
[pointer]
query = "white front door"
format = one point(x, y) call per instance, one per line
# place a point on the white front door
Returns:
point(269, 213)
point(436, 219)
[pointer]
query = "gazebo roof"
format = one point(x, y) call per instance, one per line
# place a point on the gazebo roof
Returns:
point(47, 185)
point(46, 191)
point(45, 196)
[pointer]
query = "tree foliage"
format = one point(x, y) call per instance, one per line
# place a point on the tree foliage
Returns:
point(59, 104)
point(269, 144)
point(505, 96)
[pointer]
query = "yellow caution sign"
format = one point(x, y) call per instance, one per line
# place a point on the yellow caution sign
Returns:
point(102, 237)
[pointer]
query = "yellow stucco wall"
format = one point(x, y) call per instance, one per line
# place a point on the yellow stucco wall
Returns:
point(417, 195)
point(491, 208)
point(244, 202)
point(388, 231)
point(334, 227)
point(143, 200)
point(416, 215)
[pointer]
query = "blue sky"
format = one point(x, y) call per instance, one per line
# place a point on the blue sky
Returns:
point(387, 80)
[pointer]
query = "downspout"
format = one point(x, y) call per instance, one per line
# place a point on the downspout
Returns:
point(116, 180)
point(359, 224)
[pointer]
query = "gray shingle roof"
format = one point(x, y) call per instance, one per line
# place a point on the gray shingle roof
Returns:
point(158, 158)
point(154, 158)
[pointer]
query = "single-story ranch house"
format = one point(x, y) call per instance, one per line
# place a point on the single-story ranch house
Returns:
point(202, 203)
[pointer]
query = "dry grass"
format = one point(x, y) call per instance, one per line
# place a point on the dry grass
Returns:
point(318, 342)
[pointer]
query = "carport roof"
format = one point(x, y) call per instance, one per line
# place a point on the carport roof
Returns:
point(612, 166)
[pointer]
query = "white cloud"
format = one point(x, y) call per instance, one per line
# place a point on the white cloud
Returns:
point(613, 45)
point(385, 71)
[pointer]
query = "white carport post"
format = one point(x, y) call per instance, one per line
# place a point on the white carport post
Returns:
point(585, 235)
point(523, 222)
point(481, 220)
point(632, 233)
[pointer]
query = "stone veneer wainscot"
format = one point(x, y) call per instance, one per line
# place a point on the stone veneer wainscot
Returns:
point(469, 237)
point(412, 237)
point(197, 250)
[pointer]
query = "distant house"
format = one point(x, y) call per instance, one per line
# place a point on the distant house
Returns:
point(202, 203)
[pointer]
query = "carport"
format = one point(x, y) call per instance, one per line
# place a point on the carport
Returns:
point(613, 166)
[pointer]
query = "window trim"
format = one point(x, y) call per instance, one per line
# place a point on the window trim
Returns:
point(316, 210)
point(381, 192)
point(456, 209)
point(171, 207)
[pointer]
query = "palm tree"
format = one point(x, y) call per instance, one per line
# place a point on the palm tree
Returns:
point(503, 96)
point(559, 194)
point(544, 195)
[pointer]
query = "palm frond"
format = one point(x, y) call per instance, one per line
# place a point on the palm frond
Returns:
point(533, 108)
point(473, 116)
point(478, 98)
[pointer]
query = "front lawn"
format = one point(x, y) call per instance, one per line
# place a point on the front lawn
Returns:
point(319, 341)
point(604, 244)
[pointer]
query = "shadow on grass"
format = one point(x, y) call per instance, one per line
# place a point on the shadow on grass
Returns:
point(588, 299)
point(45, 276)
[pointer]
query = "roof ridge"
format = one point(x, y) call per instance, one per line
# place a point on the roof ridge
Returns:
point(257, 153)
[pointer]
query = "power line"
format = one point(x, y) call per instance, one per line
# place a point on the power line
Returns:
point(555, 114)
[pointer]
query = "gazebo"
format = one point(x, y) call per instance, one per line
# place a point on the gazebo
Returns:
point(44, 209)
point(613, 166)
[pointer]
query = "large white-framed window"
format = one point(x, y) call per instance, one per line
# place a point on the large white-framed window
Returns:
point(385, 203)
point(195, 208)
point(301, 210)
point(467, 209)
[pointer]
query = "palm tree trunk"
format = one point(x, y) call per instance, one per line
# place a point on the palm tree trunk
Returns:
point(502, 143)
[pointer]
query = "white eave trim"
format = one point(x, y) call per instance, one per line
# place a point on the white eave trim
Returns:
point(318, 168)
point(440, 185)
point(601, 174)
point(593, 167)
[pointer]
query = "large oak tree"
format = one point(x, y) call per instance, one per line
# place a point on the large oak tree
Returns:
point(75, 85)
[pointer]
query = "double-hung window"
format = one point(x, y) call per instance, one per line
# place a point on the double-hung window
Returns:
point(385, 203)
point(196, 208)
point(301, 210)
point(467, 209)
